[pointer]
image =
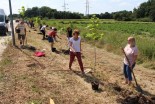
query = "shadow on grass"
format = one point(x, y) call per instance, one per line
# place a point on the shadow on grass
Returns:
point(89, 78)
point(40, 64)
point(62, 51)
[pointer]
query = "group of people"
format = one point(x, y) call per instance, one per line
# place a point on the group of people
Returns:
point(74, 40)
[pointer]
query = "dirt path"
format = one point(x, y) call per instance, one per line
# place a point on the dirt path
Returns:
point(5, 40)
point(28, 79)
point(3, 44)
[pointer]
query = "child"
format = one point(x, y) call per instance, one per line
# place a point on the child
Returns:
point(52, 36)
point(131, 51)
point(75, 49)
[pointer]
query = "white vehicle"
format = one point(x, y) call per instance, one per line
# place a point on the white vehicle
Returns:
point(3, 23)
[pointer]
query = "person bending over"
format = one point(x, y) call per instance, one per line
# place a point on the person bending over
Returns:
point(52, 36)
point(43, 30)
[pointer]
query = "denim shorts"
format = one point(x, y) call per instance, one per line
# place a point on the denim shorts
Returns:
point(50, 39)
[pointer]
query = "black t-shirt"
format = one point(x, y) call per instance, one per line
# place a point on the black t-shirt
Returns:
point(69, 33)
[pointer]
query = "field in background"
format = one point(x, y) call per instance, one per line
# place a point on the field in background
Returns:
point(115, 36)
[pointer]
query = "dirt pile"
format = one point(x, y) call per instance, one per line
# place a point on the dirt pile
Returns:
point(130, 97)
point(139, 99)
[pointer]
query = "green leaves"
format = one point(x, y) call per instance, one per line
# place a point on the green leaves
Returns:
point(93, 29)
point(38, 20)
point(22, 11)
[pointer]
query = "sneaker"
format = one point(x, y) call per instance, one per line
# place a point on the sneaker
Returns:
point(83, 73)
point(70, 69)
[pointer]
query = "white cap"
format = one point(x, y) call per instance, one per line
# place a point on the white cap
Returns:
point(53, 28)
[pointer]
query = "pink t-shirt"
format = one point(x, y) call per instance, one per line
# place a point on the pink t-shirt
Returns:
point(130, 52)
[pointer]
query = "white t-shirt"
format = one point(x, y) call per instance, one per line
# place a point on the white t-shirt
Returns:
point(43, 27)
point(130, 52)
point(22, 29)
point(76, 44)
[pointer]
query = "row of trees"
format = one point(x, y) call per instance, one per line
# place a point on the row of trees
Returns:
point(47, 12)
point(145, 12)
point(146, 9)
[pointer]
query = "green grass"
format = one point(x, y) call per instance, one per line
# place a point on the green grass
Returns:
point(116, 34)
point(140, 28)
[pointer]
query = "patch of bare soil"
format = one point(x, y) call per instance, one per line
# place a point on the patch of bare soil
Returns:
point(25, 78)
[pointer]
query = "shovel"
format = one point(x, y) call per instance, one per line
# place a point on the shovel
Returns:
point(138, 88)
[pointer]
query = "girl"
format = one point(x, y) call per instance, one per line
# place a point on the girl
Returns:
point(51, 36)
point(75, 49)
point(132, 52)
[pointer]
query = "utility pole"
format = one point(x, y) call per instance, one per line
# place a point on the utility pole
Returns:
point(64, 5)
point(12, 27)
point(65, 8)
point(87, 8)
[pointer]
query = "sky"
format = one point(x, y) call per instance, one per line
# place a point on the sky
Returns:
point(96, 6)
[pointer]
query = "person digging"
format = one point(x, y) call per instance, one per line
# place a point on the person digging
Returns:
point(131, 52)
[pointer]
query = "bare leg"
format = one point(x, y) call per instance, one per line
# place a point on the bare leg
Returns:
point(52, 45)
point(20, 42)
point(23, 42)
point(126, 81)
point(129, 82)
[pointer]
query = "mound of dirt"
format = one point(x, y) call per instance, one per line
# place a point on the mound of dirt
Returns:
point(137, 99)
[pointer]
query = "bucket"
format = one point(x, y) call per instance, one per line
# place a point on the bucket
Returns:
point(53, 49)
point(95, 85)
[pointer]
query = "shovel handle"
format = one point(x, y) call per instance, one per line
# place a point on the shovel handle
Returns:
point(129, 65)
point(126, 56)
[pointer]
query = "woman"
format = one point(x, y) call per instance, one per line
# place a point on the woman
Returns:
point(131, 52)
point(75, 49)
